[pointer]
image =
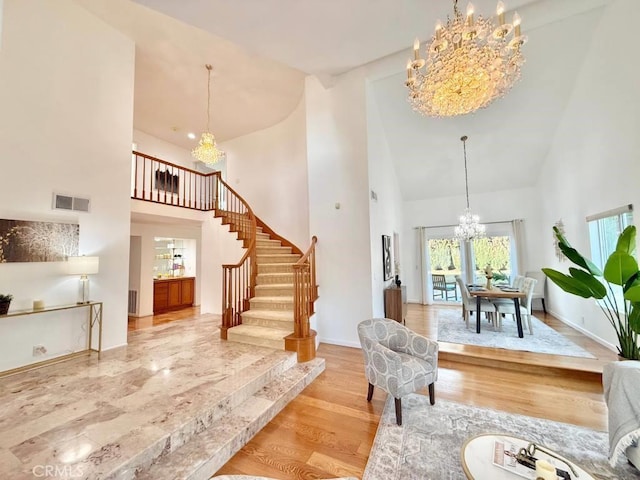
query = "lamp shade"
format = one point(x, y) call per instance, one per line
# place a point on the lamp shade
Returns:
point(83, 265)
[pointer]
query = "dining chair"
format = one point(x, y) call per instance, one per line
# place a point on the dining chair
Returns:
point(469, 304)
point(509, 308)
point(538, 292)
point(518, 281)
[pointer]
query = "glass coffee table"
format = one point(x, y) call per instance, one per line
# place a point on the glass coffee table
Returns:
point(478, 459)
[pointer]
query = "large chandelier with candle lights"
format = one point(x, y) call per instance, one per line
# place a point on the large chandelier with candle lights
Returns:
point(470, 62)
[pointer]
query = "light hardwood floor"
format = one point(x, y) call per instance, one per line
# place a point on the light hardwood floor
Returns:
point(328, 430)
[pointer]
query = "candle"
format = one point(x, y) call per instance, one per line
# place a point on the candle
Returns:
point(438, 30)
point(38, 304)
point(470, 11)
point(416, 49)
point(500, 12)
point(516, 24)
point(409, 71)
point(545, 470)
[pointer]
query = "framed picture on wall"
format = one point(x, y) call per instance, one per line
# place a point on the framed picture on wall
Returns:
point(166, 181)
point(386, 256)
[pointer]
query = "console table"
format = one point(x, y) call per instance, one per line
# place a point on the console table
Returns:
point(94, 316)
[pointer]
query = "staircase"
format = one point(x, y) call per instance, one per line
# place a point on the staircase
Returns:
point(268, 296)
point(270, 316)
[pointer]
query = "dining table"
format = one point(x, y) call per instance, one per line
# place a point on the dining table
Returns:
point(496, 292)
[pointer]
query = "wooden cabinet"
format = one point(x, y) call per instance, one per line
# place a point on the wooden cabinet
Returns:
point(173, 293)
point(395, 303)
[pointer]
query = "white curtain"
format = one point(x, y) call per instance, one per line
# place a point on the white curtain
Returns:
point(517, 247)
point(425, 283)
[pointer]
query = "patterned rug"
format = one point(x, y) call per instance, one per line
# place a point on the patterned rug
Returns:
point(428, 445)
point(451, 328)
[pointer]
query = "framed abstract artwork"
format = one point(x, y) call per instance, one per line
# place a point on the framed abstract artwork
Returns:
point(386, 257)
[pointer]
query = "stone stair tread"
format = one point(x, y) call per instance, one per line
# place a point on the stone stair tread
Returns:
point(259, 331)
point(206, 452)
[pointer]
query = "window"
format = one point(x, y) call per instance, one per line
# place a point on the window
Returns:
point(604, 229)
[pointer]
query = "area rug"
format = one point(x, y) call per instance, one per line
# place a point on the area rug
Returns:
point(451, 328)
point(428, 445)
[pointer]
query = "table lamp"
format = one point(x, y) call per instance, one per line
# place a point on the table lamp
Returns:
point(83, 266)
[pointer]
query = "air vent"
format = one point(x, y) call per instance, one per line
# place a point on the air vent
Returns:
point(133, 302)
point(66, 202)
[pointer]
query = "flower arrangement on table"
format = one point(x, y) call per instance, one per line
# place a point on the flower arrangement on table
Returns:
point(488, 272)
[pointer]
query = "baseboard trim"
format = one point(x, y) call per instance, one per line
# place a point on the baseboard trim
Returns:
point(340, 343)
point(584, 331)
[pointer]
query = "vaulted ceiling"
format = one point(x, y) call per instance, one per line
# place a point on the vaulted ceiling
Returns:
point(262, 50)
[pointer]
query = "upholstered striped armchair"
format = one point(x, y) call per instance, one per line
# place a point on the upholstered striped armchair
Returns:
point(397, 360)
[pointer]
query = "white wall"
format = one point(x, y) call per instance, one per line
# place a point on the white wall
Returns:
point(385, 213)
point(594, 162)
point(66, 117)
point(491, 207)
point(337, 171)
point(268, 169)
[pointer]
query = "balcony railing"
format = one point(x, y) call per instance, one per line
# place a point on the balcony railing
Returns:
point(158, 181)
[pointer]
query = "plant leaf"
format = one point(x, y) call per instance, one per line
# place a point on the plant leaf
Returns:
point(620, 268)
point(633, 294)
point(634, 317)
point(597, 289)
point(567, 283)
point(627, 241)
point(575, 256)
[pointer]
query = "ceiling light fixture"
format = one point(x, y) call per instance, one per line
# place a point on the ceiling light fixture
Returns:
point(207, 151)
point(470, 226)
point(192, 136)
point(470, 62)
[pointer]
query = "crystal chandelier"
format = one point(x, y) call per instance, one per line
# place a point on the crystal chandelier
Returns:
point(207, 151)
point(470, 226)
point(469, 63)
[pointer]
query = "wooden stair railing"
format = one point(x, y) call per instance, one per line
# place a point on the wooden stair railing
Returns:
point(305, 293)
point(158, 181)
point(239, 279)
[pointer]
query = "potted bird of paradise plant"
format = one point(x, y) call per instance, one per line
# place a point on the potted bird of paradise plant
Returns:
point(588, 281)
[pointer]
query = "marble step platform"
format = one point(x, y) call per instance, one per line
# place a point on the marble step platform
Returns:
point(180, 426)
point(210, 449)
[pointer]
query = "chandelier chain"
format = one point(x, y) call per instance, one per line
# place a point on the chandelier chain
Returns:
point(466, 178)
point(209, 68)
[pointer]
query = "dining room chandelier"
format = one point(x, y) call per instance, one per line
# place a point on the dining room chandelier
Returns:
point(470, 62)
point(470, 226)
point(207, 150)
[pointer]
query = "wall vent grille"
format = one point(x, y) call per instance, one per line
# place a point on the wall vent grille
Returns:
point(67, 202)
point(133, 302)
